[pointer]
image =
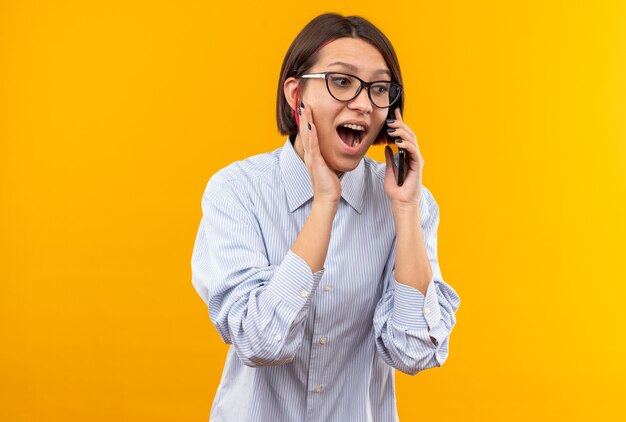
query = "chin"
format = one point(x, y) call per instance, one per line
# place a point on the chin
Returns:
point(346, 165)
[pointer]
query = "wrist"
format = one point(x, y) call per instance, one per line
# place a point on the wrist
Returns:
point(409, 207)
point(324, 207)
point(404, 210)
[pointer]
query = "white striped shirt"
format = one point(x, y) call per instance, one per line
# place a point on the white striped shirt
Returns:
point(322, 346)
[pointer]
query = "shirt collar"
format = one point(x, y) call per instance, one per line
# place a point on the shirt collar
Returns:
point(298, 182)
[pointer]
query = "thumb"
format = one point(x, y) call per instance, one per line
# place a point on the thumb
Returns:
point(390, 170)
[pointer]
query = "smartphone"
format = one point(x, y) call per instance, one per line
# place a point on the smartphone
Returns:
point(402, 158)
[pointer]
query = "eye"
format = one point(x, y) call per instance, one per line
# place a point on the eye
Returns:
point(380, 89)
point(341, 81)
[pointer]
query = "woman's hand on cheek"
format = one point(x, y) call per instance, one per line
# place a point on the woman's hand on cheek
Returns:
point(407, 195)
point(326, 186)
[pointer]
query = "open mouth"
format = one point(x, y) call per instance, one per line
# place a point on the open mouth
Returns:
point(351, 134)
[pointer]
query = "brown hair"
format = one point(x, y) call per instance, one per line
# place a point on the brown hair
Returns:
point(303, 52)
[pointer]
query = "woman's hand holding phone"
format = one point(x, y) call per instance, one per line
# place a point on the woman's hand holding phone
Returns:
point(326, 185)
point(407, 195)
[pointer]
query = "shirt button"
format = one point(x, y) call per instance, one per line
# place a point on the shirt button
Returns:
point(304, 293)
point(278, 337)
point(426, 310)
point(323, 340)
point(317, 389)
point(327, 287)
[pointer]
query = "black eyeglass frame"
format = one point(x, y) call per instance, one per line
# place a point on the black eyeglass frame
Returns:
point(367, 85)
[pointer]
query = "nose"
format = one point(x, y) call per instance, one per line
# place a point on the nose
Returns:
point(361, 102)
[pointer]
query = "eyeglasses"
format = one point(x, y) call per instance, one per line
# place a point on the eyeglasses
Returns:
point(345, 87)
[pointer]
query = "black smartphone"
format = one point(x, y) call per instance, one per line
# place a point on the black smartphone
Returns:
point(402, 158)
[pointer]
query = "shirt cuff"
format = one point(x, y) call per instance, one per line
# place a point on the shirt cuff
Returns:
point(413, 310)
point(293, 282)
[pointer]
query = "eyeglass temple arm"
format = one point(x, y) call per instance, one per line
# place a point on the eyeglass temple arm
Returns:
point(314, 76)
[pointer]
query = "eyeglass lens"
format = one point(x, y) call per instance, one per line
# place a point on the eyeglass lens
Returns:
point(345, 87)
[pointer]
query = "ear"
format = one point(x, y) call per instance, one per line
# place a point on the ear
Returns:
point(290, 89)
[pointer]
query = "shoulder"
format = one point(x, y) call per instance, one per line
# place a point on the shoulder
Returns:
point(243, 176)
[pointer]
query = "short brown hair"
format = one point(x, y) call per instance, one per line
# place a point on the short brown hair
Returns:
point(303, 52)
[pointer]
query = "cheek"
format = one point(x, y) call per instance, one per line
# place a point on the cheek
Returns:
point(377, 128)
point(326, 133)
point(377, 125)
point(324, 118)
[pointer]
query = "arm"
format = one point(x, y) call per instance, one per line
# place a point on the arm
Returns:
point(412, 328)
point(412, 263)
point(258, 307)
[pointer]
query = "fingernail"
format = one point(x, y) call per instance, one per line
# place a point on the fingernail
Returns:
point(309, 125)
point(391, 130)
point(398, 140)
point(390, 121)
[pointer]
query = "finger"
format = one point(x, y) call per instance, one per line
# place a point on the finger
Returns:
point(402, 132)
point(310, 132)
point(398, 114)
point(406, 137)
point(413, 151)
point(313, 141)
point(390, 169)
point(303, 129)
point(399, 124)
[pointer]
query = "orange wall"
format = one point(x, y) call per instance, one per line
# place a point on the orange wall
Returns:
point(114, 114)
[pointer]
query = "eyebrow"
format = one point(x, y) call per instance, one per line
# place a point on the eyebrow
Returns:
point(354, 68)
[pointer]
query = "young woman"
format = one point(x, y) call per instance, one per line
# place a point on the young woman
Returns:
point(317, 267)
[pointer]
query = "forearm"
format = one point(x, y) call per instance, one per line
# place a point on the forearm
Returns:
point(412, 266)
point(312, 243)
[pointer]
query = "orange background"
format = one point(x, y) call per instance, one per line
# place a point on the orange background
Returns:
point(113, 115)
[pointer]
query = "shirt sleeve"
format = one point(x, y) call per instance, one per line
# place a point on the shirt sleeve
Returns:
point(257, 307)
point(412, 330)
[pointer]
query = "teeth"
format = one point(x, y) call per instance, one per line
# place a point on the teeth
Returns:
point(357, 135)
point(354, 127)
